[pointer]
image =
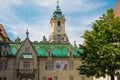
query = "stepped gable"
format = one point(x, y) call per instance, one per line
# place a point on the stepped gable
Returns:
point(117, 9)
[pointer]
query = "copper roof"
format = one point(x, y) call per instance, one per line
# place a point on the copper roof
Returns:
point(117, 9)
point(2, 31)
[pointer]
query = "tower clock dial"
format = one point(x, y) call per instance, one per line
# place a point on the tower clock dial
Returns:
point(59, 28)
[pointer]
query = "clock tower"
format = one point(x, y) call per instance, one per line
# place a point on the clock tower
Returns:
point(58, 34)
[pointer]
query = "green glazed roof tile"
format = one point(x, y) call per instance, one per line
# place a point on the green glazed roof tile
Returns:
point(14, 51)
point(41, 52)
point(57, 50)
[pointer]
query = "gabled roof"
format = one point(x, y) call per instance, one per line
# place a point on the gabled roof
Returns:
point(2, 31)
point(117, 9)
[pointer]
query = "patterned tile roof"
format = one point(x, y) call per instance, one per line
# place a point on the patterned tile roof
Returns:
point(57, 50)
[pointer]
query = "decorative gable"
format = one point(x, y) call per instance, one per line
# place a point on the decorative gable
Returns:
point(26, 53)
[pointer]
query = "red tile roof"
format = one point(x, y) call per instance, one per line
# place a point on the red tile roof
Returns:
point(117, 9)
point(2, 31)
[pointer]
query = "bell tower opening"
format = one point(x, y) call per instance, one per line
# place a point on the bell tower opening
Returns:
point(58, 23)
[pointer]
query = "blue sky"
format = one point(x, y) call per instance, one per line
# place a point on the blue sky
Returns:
point(19, 15)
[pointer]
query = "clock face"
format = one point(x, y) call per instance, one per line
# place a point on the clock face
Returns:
point(59, 28)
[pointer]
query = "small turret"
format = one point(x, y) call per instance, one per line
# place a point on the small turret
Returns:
point(18, 40)
point(75, 44)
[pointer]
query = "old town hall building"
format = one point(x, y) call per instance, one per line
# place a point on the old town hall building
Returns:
point(53, 59)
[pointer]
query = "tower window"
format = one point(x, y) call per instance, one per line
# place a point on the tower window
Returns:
point(58, 23)
point(58, 35)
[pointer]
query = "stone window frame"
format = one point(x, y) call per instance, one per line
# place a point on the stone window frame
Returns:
point(71, 65)
point(49, 65)
point(26, 64)
point(44, 78)
point(82, 77)
point(3, 65)
point(71, 78)
point(3, 78)
point(55, 77)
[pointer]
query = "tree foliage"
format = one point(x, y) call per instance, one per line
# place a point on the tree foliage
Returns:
point(102, 47)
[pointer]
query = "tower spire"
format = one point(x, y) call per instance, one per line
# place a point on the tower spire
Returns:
point(57, 3)
point(58, 8)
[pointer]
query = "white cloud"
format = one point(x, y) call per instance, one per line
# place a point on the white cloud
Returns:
point(18, 27)
point(44, 3)
point(70, 6)
point(81, 5)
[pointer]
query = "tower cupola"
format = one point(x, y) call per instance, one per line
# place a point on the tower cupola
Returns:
point(58, 13)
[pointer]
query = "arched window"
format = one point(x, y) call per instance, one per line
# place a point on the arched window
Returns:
point(58, 23)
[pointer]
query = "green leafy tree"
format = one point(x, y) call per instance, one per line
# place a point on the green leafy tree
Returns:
point(101, 52)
